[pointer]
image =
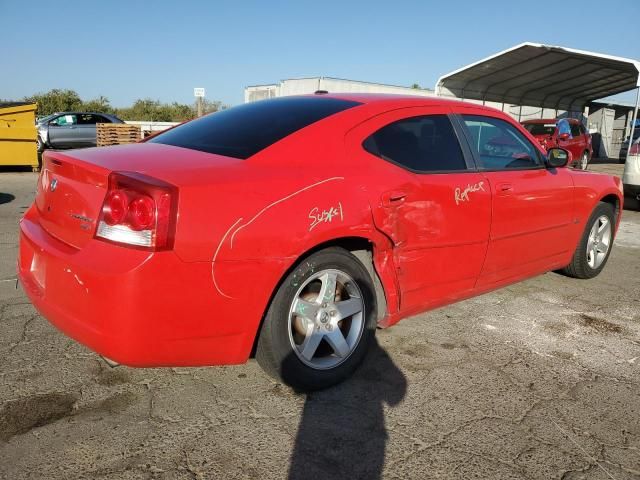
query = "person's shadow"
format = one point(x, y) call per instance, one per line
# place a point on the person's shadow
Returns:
point(342, 431)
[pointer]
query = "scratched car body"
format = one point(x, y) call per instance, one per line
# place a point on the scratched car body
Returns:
point(292, 228)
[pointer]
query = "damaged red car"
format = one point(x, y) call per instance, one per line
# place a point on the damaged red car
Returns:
point(292, 228)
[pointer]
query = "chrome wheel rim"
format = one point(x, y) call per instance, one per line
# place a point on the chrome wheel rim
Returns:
point(326, 319)
point(584, 161)
point(599, 241)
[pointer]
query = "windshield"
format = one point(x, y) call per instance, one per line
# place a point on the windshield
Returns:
point(46, 118)
point(540, 128)
point(243, 131)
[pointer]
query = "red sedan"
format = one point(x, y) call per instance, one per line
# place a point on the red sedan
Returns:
point(567, 133)
point(293, 227)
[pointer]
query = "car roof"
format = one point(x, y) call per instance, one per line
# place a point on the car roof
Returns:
point(390, 99)
point(551, 120)
point(83, 113)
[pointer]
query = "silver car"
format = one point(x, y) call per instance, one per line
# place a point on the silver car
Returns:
point(70, 129)
point(624, 148)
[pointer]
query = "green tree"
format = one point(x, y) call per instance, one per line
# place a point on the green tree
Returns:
point(100, 104)
point(56, 100)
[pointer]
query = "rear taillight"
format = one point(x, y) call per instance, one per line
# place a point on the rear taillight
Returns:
point(635, 149)
point(139, 210)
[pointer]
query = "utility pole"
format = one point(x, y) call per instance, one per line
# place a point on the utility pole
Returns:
point(199, 94)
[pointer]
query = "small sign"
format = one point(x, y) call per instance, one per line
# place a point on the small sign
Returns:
point(198, 92)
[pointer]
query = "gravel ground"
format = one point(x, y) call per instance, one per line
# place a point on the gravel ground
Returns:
point(539, 380)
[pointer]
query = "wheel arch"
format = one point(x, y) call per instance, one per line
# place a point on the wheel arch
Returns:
point(614, 201)
point(363, 249)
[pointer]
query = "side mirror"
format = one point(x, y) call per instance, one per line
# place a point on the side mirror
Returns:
point(564, 136)
point(558, 157)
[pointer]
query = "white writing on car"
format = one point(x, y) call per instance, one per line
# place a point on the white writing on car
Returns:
point(325, 215)
point(463, 195)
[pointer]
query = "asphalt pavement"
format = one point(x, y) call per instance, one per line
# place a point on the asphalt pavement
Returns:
point(540, 380)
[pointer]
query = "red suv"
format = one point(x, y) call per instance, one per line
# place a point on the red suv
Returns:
point(567, 133)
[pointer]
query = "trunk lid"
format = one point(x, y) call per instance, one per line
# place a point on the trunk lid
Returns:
point(69, 196)
point(72, 185)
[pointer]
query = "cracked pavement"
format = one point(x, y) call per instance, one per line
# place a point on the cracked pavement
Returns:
point(540, 380)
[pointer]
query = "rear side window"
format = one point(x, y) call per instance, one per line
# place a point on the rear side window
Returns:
point(540, 128)
point(88, 119)
point(499, 145)
point(421, 144)
point(243, 131)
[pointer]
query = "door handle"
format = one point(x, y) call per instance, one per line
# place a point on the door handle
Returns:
point(504, 188)
point(393, 198)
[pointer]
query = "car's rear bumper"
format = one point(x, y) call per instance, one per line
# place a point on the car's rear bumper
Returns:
point(134, 307)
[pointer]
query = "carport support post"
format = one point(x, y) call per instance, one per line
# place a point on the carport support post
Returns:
point(633, 119)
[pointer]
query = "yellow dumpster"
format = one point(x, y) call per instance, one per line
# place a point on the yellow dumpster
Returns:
point(18, 134)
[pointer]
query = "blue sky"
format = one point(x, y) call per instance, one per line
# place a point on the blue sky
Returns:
point(126, 50)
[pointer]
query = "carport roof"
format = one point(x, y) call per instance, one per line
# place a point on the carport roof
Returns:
point(542, 76)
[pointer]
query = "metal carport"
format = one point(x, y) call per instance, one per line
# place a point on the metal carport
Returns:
point(544, 76)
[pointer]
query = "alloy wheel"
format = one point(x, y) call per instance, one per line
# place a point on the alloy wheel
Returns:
point(599, 241)
point(326, 319)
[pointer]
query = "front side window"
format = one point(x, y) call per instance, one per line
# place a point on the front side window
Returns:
point(421, 144)
point(499, 145)
point(65, 120)
point(575, 129)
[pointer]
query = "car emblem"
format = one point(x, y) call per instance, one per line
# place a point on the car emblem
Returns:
point(53, 185)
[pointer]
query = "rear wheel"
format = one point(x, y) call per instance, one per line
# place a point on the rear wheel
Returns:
point(595, 245)
point(320, 323)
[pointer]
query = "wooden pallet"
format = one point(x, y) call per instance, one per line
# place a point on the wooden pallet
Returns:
point(116, 134)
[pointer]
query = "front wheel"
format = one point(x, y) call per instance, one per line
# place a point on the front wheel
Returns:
point(584, 161)
point(595, 245)
point(320, 323)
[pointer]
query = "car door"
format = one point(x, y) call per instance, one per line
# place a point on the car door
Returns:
point(432, 203)
point(86, 131)
point(531, 205)
point(62, 130)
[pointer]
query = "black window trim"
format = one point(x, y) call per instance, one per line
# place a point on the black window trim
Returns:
point(464, 148)
point(476, 157)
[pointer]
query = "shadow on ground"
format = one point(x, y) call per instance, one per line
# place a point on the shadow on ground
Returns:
point(342, 431)
point(6, 198)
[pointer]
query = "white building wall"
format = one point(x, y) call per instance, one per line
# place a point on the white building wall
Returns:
point(303, 86)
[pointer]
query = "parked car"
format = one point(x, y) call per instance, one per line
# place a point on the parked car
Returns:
point(293, 227)
point(625, 145)
point(70, 129)
point(567, 133)
point(631, 174)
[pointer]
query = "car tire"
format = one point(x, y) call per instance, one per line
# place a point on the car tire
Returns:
point(584, 161)
point(320, 323)
point(595, 245)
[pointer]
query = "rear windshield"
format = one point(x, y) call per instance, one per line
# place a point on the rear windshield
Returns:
point(243, 131)
point(540, 128)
